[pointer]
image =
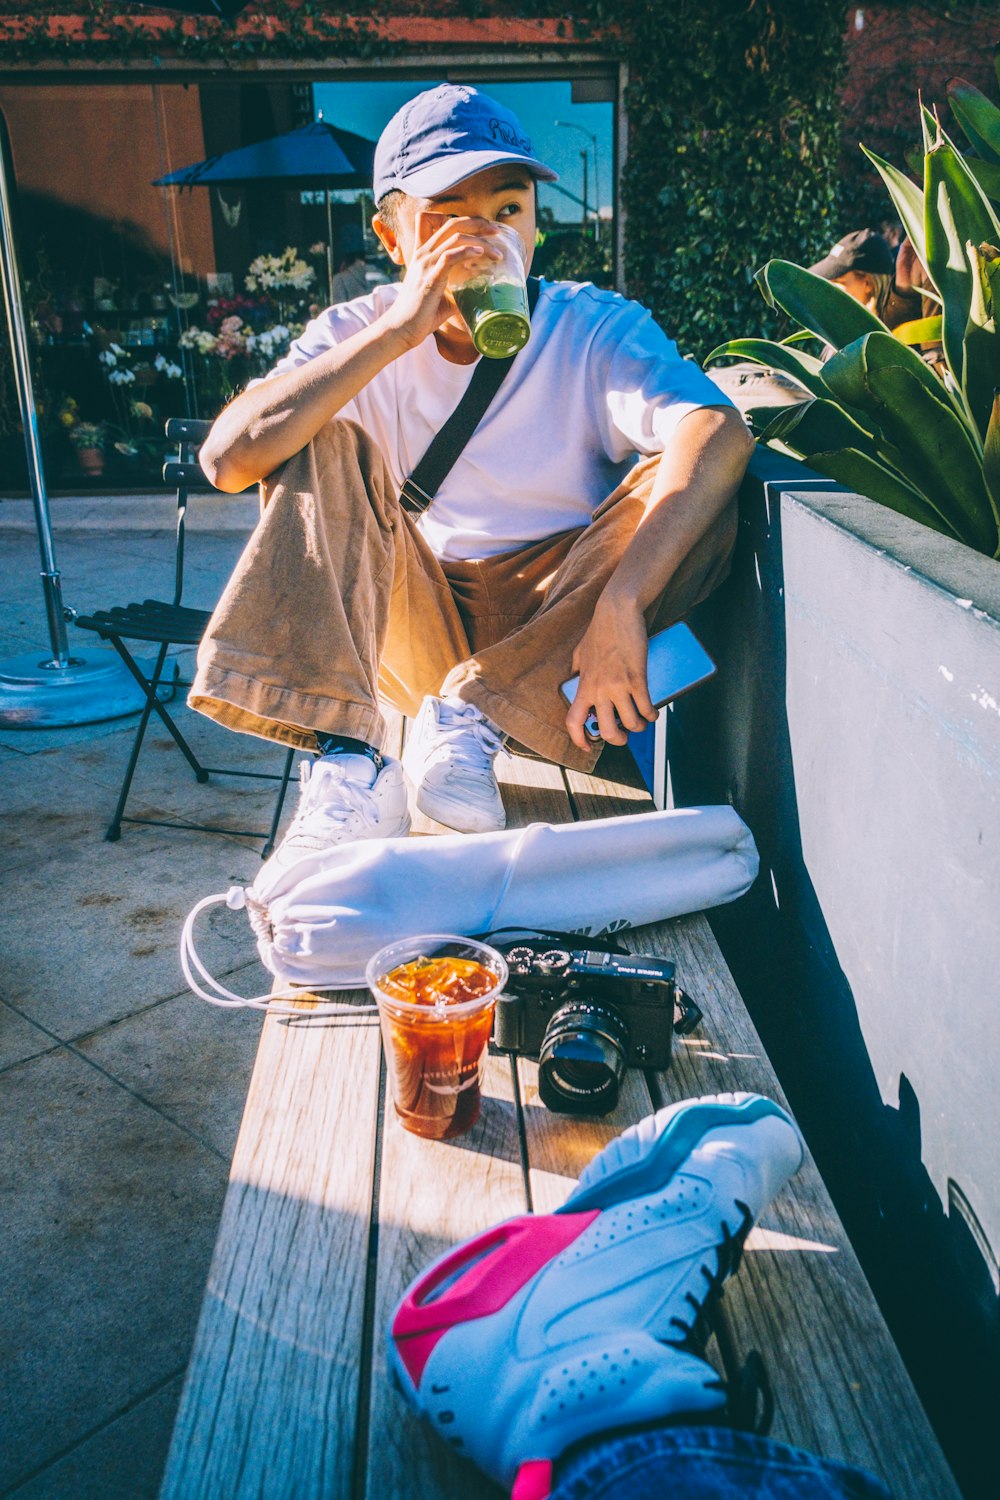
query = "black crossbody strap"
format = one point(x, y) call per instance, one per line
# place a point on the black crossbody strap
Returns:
point(427, 478)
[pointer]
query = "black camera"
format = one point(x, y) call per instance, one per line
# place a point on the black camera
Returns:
point(586, 1015)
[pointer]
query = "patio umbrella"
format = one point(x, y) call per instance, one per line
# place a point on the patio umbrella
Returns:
point(315, 155)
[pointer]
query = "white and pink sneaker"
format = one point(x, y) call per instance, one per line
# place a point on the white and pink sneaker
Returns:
point(555, 1327)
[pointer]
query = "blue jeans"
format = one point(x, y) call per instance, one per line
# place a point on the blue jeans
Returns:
point(705, 1463)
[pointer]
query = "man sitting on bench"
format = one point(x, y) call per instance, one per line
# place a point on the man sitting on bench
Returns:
point(547, 550)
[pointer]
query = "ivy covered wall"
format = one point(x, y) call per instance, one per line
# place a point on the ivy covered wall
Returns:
point(734, 134)
point(896, 51)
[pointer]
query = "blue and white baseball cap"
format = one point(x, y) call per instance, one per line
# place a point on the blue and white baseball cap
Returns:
point(444, 135)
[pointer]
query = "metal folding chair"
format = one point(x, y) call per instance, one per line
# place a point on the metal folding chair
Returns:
point(166, 625)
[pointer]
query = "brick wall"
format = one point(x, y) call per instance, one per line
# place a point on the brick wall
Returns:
point(894, 52)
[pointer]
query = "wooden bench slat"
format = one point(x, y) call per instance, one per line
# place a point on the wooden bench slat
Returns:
point(271, 1398)
point(270, 1401)
point(433, 1195)
point(800, 1296)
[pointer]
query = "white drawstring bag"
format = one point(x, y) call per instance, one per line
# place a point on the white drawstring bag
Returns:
point(318, 921)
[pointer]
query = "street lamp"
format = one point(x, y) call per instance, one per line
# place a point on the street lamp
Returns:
point(572, 125)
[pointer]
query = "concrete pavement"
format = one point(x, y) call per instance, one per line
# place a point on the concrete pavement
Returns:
point(120, 1093)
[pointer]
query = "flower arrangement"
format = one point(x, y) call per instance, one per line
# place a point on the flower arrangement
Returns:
point(244, 334)
point(136, 434)
point(119, 369)
point(253, 310)
point(67, 414)
point(271, 273)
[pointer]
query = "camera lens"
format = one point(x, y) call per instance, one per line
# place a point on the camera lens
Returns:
point(582, 1059)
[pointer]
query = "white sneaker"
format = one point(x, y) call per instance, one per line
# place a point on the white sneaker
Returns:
point(449, 759)
point(342, 798)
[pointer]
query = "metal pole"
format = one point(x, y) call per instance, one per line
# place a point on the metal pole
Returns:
point(51, 585)
point(89, 687)
point(329, 247)
point(583, 158)
point(597, 194)
point(572, 125)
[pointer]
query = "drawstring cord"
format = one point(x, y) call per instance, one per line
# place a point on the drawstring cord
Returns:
point(218, 994)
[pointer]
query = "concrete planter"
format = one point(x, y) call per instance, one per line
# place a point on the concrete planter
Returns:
point(855, 724)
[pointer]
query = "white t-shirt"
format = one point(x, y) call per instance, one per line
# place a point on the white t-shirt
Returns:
point(597, 382)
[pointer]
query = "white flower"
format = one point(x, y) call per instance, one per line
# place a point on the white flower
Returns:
point(117, 349)
point(173, 372)
point(121, 377)
point(107, 358)
point(200, 339)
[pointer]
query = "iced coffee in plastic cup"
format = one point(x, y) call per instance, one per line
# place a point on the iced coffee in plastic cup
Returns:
point(436, 995)
point(493, 300)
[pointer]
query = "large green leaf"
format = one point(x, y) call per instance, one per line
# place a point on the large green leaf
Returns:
point(760, 417)
point(804, 368)
point(987, 175)
point(919, 331)
point(956, 212)
point(981, 369)
point(991, 459)
point(935, 454)
point(930, 126)
point(978, 118)
point(920, 431)
point(847, 373)
point(826, 310)
point(818, 425)
point(867, 476)
point(908, 199)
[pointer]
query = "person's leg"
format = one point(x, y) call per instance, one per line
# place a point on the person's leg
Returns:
point(334, 582)
point(549, 592)
point(704, 1463)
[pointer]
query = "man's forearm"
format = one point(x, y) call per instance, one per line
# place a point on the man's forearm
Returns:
point(264, 426)
point(697, 478)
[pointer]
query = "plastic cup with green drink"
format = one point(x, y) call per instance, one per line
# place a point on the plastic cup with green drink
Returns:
point(493, 298)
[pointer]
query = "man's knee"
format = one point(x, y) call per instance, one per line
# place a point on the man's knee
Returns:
point(341, 461)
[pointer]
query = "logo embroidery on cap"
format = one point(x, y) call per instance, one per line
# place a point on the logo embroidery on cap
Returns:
point(509, 136)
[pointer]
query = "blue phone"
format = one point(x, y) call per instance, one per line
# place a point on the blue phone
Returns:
point(676, 662)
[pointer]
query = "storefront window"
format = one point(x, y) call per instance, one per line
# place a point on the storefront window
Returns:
point(145, 302)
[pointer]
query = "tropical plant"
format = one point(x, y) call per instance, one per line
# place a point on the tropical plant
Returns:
point(880, 420)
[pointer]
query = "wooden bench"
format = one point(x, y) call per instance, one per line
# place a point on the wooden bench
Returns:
point(333, 1208)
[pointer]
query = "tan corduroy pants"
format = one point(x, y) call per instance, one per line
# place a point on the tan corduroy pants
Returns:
point(337, 600)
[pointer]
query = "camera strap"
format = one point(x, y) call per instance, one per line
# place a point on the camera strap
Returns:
point(603, 944)
point(430, 473)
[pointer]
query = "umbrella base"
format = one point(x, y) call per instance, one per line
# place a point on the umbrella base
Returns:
point(37, 693)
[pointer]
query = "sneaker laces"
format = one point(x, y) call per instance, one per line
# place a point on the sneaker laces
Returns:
point(694, 1331)
point(749, 1396)
point(333, 797)
point(468, 740)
